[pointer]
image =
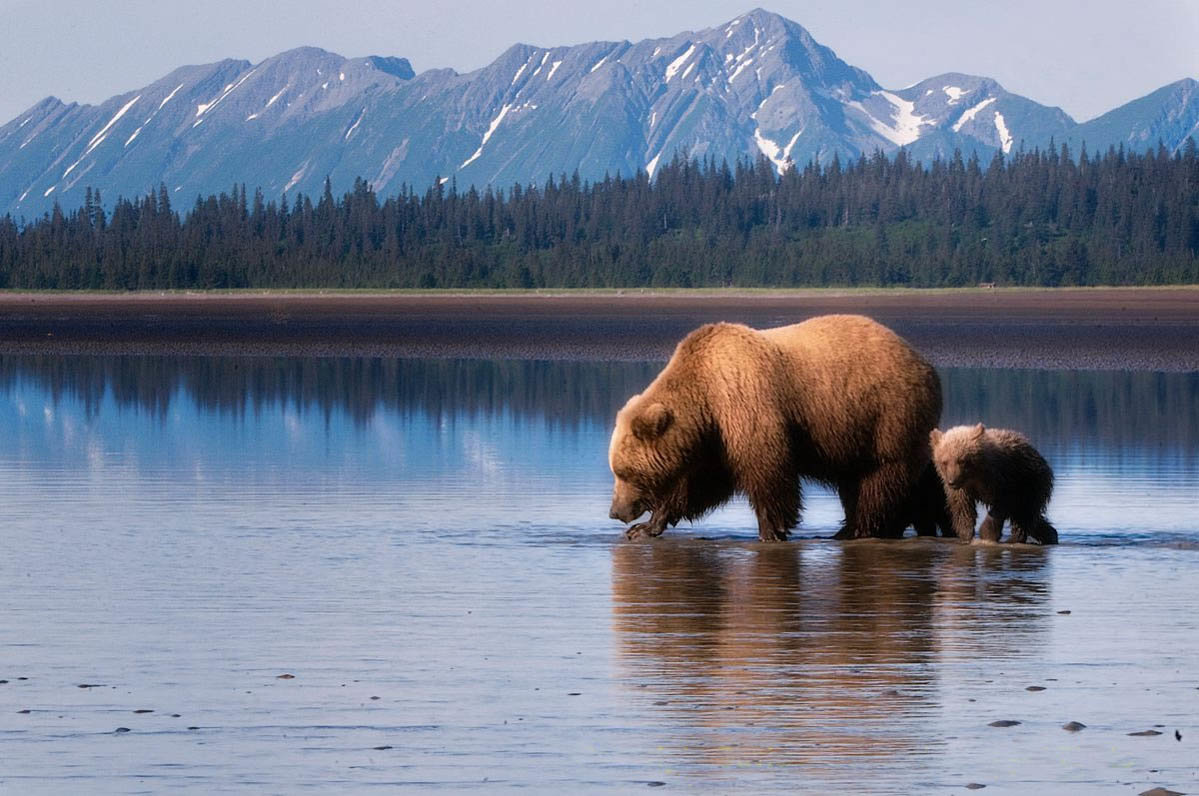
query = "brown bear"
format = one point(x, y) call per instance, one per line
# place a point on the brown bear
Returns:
point(839, 399)
point(1001, 469)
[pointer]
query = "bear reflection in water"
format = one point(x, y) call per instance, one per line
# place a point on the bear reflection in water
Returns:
point(809, 652)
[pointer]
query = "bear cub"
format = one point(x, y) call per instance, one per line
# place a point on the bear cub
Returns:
point(1000, 469)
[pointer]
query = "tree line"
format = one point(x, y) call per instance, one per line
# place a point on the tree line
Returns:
point(1040, 218)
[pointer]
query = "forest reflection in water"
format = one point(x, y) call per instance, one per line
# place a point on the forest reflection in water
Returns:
point(1135, 412)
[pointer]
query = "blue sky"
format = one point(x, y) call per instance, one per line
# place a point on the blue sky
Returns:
point(1085, 58)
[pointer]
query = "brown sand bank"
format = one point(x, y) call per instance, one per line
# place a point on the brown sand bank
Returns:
point(1104, 328)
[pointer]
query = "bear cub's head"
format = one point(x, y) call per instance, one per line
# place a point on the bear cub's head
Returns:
point(643, 457)
point(958, 453)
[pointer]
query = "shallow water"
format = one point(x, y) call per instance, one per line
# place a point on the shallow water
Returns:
point(423, 546)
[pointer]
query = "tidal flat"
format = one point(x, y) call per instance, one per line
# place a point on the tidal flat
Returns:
point(267, 555)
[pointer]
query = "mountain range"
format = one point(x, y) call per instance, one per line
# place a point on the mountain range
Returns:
point(757, 85)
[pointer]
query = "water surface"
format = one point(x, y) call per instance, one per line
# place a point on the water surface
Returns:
point(423, 545)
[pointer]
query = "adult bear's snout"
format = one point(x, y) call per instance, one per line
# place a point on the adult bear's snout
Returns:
point(626, 511)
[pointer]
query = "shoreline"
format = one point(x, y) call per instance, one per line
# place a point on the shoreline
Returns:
point(1108, 328)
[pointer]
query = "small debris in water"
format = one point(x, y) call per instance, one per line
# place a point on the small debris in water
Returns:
point(175, 716)
point(3, 682)
point(26, 710)
point(91, 685)
point(1035, 688)
point(193, 728)
point(974, 786)
point(381, 748)
point(1145, 732)
point(1177, 735)
point(575, 693)
point(374, 698)
point(123, 729)
point(143, 710)
point(1064, 613)
point(1003, 723)
point(654, 784)
point(1073, 726)
point(285, 677)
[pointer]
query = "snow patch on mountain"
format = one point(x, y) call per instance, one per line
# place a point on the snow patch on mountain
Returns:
point(1005, 137)
point(204, 108)
point(519, 72)
point(295, 178)
point(354, 126)
point(677, 63)
point(740, 67)
point(971, 113)
point(170, 96)
point(99, 137)
point(779, 156)
point(495, 123)
point(903, 126)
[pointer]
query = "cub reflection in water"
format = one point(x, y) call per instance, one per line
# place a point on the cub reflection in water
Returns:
point(807, 653)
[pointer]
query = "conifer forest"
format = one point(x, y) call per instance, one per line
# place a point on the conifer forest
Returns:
point(1041, 218)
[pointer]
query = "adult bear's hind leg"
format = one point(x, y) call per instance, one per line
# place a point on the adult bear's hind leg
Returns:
point(878, 507)
point(992, 528)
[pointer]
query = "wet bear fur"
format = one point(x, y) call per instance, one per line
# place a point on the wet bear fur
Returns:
point(839, 399)
point(1000, 469)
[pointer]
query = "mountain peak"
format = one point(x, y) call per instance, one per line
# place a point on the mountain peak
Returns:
point(391, 65)
point(757, 85)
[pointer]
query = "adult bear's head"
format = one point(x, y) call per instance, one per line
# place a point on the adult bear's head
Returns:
point(648, 452)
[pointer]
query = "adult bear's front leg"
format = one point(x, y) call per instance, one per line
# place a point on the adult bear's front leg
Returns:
point(655, 526)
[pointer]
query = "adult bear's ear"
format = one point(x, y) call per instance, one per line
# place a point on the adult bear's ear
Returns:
point(652, 421)
point(979, 430)
point(934, 437)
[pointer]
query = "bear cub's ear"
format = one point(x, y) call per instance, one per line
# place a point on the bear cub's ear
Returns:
point(652, 421)
point(979, 430)
point(934, 437)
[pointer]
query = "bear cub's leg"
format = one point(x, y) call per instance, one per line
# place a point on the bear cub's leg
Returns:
point(1036, 528)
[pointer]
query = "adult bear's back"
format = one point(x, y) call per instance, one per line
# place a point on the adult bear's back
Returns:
point(859, 388)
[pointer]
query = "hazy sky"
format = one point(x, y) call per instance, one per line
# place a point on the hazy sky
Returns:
point(1086, 58)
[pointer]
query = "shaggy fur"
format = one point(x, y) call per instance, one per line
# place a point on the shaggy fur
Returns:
point(839, 399)
point(1000, 469)
point(928, 509)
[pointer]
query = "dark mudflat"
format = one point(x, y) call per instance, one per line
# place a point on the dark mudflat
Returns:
point(1116, 328)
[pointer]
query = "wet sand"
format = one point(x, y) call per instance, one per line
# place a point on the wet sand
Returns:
point(1086, 328)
